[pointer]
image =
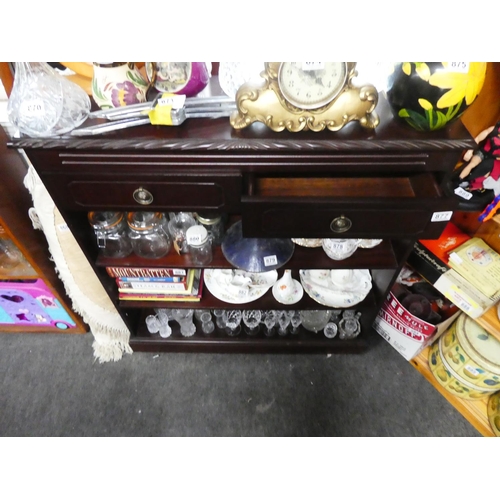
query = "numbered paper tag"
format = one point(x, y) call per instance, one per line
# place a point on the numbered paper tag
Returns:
point(312, 66)
point(441, 216)
point(34, 107)
point(459, 67)
point(242, 293)
point(463, 193)
point(172, 100)
point(194, 239)
point(63, 228)
point(270, 260)
point(339, 247)
point(472, 370)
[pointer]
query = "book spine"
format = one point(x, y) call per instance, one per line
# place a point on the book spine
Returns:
point(164, 279)
point(195, 295)
point(146, 272)
point(151, 286)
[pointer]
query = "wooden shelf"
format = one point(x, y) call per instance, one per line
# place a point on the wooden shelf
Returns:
point(380, 257)
point(474, 411)
point(218, 341)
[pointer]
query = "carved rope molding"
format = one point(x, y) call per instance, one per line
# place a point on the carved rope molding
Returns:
point(251, 144)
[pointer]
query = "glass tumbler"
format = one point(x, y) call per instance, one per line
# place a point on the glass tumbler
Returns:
point(148, 235)
point(110, 229)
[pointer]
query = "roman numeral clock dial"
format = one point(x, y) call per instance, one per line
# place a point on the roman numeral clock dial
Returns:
point(305, 96)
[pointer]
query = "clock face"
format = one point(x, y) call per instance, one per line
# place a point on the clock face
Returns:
point(311, 85)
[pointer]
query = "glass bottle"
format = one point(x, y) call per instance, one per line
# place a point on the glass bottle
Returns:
point(148, 235)
point(199, 246)
point(110, 229)
point(214, 224)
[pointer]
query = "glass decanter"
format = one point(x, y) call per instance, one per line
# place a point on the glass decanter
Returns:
point(43, 103)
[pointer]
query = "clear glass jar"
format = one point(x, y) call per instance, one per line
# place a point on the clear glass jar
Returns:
point(214, 224)
point(199, 245)
point(178, 224)
point(110, 229)
point(148, 234)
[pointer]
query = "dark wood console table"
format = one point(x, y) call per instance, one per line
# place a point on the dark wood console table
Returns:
point(388, 182)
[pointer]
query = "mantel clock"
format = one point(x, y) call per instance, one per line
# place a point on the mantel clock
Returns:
point(306, 96)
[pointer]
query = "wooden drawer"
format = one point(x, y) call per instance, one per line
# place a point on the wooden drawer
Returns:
point(171, 191)
point(344, 208)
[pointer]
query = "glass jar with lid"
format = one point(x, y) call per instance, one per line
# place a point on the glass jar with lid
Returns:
point(214, 224)
point(199, 245)
point(148, 234)
point(110, 229)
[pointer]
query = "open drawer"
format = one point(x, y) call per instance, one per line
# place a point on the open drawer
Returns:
point(345, 207)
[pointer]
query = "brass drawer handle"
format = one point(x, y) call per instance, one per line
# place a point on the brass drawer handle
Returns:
point(143, 196)
point(340, 224)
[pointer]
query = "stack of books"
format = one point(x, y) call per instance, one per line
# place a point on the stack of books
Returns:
point(158, 284)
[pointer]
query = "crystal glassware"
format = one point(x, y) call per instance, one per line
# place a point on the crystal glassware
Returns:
point(330, 330)
point(44, 103)
point(219, 318)
point(315, 320)
point(270, 318)
point(232, 319)
point(349, 326)
point(295, 322)
point(152, 323)
point(251, 320)
point(339, 249)
point(185, 319)
point(284, 319)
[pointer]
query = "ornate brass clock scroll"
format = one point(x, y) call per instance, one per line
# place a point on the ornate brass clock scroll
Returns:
point(306, 96)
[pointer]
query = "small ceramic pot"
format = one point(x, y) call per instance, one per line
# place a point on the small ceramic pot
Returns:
point(431, 95)
point(117, 84)
point(187, 78)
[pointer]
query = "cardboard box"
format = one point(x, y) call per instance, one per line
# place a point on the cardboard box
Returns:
point(479, 264)
point(408, 334)
point(430, 259)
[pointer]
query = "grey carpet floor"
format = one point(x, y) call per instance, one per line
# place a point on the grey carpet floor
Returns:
point(50, 385)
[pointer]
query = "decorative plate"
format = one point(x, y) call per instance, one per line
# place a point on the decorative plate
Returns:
point(237, 286)
point(308, 242)
point(318, 285)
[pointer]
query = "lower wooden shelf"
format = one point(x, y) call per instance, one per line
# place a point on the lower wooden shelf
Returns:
point(218, 341)
point(474, 411)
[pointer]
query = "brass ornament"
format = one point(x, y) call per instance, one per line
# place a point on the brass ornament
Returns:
point(264, 101)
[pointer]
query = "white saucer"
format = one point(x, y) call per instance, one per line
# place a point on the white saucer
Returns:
point(260, 284)
point(319, 286)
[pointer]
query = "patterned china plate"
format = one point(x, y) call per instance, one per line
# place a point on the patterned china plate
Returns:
point(319, 286)
point(258, 286)
point(308, 242)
